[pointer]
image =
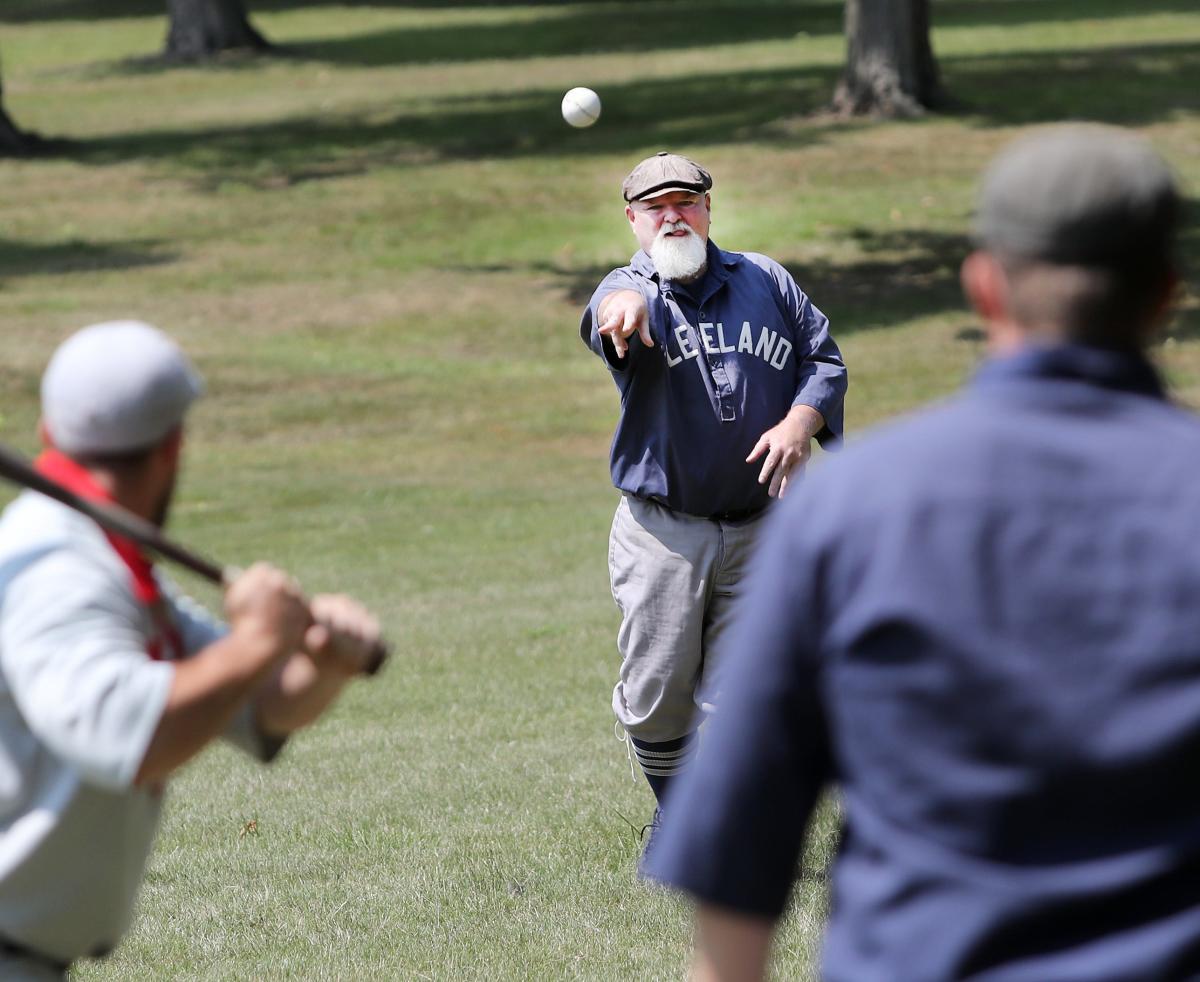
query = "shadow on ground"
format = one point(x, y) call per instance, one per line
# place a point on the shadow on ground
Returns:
point(708, 107)
point(1131, 86)
point(633, 22)
point(569, 30)
point(902, 275)
point(556, 31)
point(608, 27)
point(594, 29)
point(19, 258)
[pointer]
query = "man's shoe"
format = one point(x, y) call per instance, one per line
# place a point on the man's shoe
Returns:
point(648, 831)
point(649, 836)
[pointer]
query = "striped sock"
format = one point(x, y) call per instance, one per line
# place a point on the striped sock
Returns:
point(662, 761)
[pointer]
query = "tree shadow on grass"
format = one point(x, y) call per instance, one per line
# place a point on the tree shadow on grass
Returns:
point(911, 273)
point(601, 28)
point(902, 275)
point(1127, 85)
point(708, 107)
point(781, 106)
point(614, 18)
point(626, 27)
point(41, 11)
point(558, 28)
point(581, 29)
point(613, 27)
point(1013, 13)
point(18, 259)
point(907, 274)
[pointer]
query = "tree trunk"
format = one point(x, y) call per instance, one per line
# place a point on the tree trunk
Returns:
point(201, 29)
point(890, 68)
point(14, 141)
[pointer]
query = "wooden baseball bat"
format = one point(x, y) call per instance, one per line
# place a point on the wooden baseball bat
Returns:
point(16, 469)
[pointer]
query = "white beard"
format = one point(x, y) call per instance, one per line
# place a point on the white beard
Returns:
point(680, 258)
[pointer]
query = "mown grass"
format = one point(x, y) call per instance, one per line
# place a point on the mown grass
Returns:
point(376, 248)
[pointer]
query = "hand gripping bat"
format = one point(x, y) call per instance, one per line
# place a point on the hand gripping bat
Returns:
point(115, 519)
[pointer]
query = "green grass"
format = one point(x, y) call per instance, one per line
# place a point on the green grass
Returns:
point(376, 249)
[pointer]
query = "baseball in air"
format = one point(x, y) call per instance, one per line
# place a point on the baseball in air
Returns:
point(581, 107)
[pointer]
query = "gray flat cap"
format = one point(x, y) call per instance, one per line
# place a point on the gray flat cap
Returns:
point(116, 387)
point(1079, 195)
point(662, 173)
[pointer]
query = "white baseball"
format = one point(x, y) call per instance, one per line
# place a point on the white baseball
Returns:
point(581, 107)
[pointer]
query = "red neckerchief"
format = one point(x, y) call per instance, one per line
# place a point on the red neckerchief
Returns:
point(61, 469)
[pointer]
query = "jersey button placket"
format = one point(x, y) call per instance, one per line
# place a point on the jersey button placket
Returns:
point(720, 380)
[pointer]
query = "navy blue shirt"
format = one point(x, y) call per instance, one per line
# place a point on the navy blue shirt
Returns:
point(732, 354)
point(983, 624)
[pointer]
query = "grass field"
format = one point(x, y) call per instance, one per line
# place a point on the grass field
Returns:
point(376, 249)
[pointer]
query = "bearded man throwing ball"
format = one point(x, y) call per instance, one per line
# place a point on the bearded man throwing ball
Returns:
point(726, 372)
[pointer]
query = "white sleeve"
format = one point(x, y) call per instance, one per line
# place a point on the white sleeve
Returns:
point(73, 655)
point(199, 629)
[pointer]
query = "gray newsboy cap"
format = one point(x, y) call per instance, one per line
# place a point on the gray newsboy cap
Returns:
point(1079, 195)
point(662, 173)
point(116, 387)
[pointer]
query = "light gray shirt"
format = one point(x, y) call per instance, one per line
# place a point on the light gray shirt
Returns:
point(79, 702)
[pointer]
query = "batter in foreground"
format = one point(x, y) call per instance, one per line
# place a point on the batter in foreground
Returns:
point(726, 372)
point(109, 679)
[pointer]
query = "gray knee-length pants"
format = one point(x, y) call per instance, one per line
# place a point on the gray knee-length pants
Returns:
point(676, 579)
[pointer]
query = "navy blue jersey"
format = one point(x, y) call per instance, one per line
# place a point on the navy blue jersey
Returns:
point(983, 625)
point(732, 354)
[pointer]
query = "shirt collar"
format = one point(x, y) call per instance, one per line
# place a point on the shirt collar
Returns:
point(73, 476)
point(1125, 371)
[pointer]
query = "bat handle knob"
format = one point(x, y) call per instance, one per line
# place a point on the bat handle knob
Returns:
point(379, 654)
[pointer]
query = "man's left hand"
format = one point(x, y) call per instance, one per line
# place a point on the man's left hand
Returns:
point(343, 635)
point(788, 445)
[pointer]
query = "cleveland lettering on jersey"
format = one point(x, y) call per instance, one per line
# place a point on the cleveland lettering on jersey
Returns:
point(769, 346)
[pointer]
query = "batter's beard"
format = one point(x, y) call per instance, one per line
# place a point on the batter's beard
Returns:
point(162, 508)
point(679, 257)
